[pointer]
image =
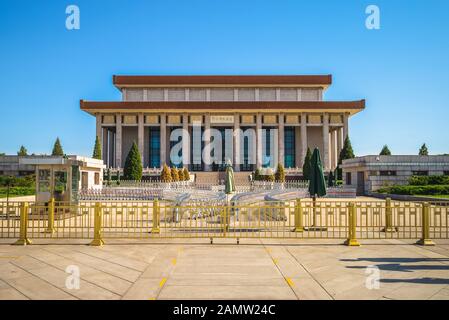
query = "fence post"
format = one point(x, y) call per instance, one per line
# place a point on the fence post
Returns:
point(51, 217)
point(388, 217)
point(225, 220)
point(425, 239)
point(352, 239)
point(98, 240)
point(299, 216)
point(23, 238)
point(155, 228)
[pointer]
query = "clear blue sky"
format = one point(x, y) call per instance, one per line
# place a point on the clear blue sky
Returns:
point(402, 70)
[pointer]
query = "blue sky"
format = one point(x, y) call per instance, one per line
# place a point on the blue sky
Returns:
point(402, 70)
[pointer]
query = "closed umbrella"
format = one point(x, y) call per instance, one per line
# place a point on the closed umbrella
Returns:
point(317, 183)
point(229, 179)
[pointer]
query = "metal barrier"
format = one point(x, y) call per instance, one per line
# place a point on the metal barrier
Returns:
point(347, 220)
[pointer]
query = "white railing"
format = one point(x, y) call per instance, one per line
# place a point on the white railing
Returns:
point(289, 184)
point(147, 184)
point(119, 194)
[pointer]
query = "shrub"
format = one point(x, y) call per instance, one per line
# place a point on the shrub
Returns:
point(181, 174)
point(428, 180)
point(257, 175)
point(166, 174)
point(17, 191)
point(330, 179)
point(174, 174)
point(417, 190)
point(280, 173)
point(186, 174)
point(306, 167)
point(27, 181)
point(133, 164)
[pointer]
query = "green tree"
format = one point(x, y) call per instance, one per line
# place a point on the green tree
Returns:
point(186, 175)
point(257, 175)
point(174, 174)
point(133, 164)
point(280, 173)
point(345, 153)
point(22, 152)
point(166, 174)
point(423, 151)
point(330, 179)
point(306, 166)
point(97, 149)
point(385, 151)
point(57, 149)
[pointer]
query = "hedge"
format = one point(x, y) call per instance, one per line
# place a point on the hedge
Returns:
point(16, 191)
point(27, 181)
point(417, 190)
point(428, 180)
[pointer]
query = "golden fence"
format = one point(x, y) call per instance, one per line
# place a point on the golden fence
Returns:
point(298, 219)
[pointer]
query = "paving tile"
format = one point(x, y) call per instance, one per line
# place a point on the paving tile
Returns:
point(227, 292)
point(144, 289)
point(37, 289)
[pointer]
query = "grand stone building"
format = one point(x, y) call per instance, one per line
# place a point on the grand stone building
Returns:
point(153, 107)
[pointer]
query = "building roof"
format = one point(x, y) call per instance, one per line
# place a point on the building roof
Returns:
point(159, 106)
point(324, 81)
point(396, 161)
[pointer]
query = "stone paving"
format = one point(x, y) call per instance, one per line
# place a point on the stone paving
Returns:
point(194, 269)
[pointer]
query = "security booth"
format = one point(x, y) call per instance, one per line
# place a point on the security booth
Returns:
point(61, 178)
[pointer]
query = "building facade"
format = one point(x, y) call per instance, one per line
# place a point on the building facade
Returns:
point(261, 120)
point(370, 173)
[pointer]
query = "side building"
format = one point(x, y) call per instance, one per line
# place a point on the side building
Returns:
point(370, 173)
point(264, 120)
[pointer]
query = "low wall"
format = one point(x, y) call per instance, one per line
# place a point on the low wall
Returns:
point(404, 197)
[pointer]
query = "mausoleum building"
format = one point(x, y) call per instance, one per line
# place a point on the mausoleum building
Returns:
point(262, 120)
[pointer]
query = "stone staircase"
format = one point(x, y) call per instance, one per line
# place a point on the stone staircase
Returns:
point(241, 178)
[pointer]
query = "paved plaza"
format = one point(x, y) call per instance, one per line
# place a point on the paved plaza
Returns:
point(194, 269)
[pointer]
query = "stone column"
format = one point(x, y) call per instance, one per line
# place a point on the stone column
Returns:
point(303, 138)
point(236, 160)
point(98, 127)
point(345, 126)
point(259, 140)
point(185, 141)
point(281, 139)
point(206, 151)
point(105, 146)
point(140, 136)
point(163, 139)
point(325, 155)
point(111, 148)
point(100, 133)
point(118, 140)
point(339, 142)
point(333, 153)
